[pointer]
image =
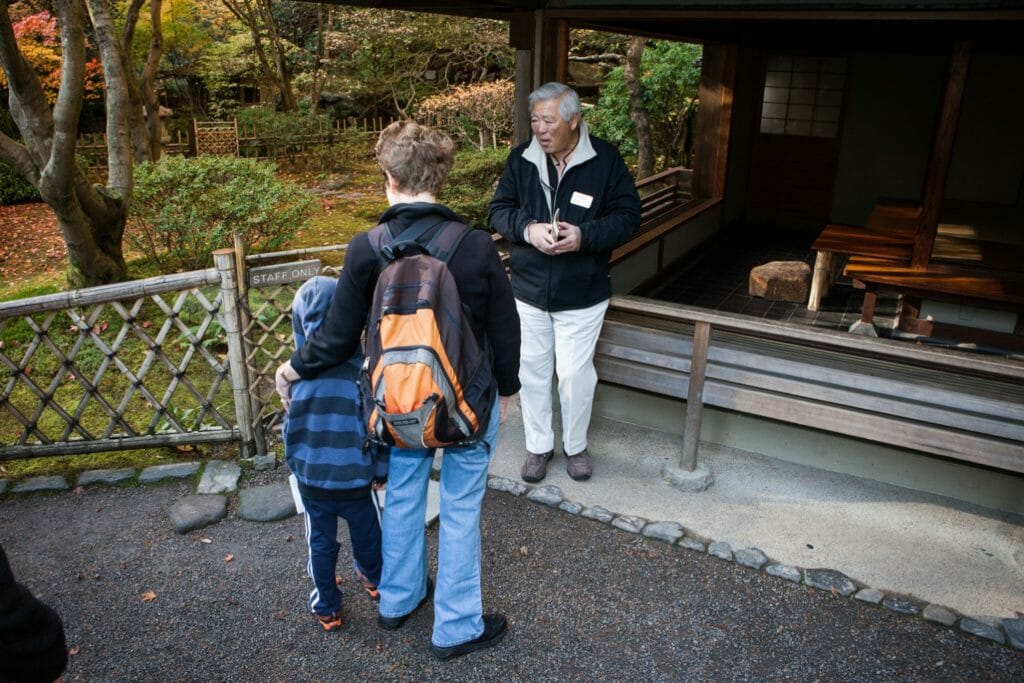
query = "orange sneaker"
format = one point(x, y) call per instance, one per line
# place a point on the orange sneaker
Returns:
point(331, 621)
point(368, 586)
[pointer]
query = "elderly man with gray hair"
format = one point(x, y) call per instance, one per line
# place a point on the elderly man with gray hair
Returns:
point(564, 202)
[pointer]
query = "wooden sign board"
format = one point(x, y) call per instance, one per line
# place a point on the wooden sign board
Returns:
point(283, 273)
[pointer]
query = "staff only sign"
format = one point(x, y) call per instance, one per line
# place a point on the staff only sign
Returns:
point(283, 273)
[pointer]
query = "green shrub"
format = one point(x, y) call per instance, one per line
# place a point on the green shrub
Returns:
point(13, 188)
point(472, 181)
point(338, 155)
point(276, 133)
point(183, 209)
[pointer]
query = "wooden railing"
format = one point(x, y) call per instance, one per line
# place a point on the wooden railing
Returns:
point(937, 401)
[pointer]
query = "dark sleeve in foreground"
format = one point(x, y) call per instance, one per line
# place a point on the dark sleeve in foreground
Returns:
point(32, 645)
point(502, 325)
point(337, 338)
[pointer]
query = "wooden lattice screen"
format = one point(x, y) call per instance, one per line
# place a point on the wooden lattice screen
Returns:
point(173, 360)
point(132, 365)
point(266, 304)
point(217, 138)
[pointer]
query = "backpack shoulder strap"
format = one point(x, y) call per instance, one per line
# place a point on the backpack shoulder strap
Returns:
point(447, 240)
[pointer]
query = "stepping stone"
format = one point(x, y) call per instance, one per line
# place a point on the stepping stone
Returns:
point(110, 476)
point(220, 476)
point(669, 532)
point(751, 557)
point(630, 523)
point(830, 580)
point(784, 571)
point(195, 512)
point(781, 281)
point(546, 495)
point(51, 483)
point(266, 503)
point(507, 485)
point(177, 470)
point(597, 512)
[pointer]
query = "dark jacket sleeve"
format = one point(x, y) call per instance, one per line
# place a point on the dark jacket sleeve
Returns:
point(621, 217)
point(502, 325)
point(338, 337)
point(504, 214)
point(32, 644)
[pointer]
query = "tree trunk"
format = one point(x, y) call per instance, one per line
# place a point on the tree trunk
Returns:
point(257, 16)
point(284, 76)
point(91, 219)
point(637, 109)
point(120, 163)
point(154, 125)
point(136, 123)
point(320, 58)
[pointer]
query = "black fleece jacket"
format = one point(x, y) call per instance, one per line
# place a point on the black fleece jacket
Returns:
point(479, 275)
point(596, 193)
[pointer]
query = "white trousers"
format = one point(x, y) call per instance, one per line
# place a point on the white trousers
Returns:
point(562, 343)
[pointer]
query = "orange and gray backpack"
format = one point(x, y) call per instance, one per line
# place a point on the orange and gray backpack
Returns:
point(426, 382)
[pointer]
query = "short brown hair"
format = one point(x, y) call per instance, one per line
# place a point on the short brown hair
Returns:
point(416, 156)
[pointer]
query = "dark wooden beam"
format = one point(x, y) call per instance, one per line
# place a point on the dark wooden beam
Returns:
point(941, 154)
point(714, 121)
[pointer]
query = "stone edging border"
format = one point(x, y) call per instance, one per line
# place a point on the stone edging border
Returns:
point(1002, 631)
point(266, 503)
point(273, 502)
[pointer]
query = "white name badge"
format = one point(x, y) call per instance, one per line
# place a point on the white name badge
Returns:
point(580, 199)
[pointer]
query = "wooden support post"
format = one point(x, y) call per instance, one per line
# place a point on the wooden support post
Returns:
point(224, 259)
point(714, 121)
point(561, 56)
point(941, 154)
point(521, 34)
point(695, 396)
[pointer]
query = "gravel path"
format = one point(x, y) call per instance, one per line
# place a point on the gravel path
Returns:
point(585, 601)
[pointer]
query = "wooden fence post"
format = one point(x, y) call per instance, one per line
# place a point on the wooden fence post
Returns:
point(690, 475)
point(224, 259)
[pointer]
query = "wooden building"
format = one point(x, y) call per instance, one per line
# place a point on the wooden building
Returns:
point(888, 129)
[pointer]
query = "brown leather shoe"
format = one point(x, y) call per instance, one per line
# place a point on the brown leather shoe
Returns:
point(579, 467)
point(536, 466)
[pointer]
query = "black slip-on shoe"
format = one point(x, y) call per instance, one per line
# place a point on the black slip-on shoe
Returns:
point(495, 626)
point(392, 623)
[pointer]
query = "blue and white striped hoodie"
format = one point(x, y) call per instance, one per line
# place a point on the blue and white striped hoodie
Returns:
point(324, 432)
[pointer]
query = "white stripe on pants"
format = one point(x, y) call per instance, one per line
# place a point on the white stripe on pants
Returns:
point(560, 342)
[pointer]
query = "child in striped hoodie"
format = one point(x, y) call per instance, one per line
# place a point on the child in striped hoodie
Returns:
point(327, 451)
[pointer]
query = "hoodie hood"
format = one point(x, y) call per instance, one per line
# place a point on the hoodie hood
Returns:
point(310, 306)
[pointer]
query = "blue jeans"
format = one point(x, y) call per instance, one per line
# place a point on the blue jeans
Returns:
point(322, 542)
point(458, 606)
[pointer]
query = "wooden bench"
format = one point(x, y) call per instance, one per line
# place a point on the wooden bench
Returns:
point(964, 407)
point(971, 284)
point(888, 233)
point(663, 197)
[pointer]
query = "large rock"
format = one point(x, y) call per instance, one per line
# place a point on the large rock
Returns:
point(266, 503)
point(195, 512)
point(781, 281)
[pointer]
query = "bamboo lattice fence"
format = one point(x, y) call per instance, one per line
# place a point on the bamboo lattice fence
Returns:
point(168, 361)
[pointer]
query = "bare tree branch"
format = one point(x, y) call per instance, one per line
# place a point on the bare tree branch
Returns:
point(606, 58)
